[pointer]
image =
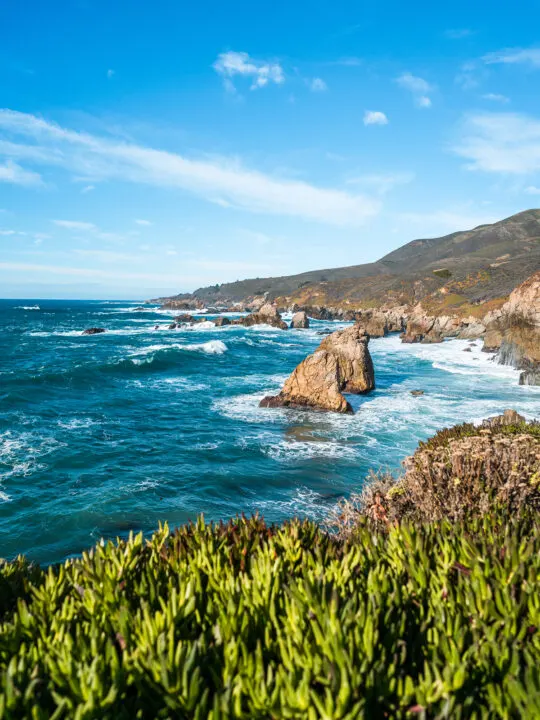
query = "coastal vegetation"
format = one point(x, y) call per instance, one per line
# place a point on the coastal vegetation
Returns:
point(432, 615)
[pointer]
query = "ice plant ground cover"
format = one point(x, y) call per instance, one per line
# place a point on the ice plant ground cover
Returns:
point(244, 620)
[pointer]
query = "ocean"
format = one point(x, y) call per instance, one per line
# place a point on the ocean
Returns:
point(104, 434)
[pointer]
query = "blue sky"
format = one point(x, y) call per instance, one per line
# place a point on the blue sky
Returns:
point(151, 148)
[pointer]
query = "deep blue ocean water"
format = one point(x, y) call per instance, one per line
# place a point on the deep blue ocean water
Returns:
point(104, 434)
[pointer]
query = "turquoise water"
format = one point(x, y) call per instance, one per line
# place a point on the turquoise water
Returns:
point(103, 434)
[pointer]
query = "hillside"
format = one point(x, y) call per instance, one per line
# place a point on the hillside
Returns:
point(475, 265)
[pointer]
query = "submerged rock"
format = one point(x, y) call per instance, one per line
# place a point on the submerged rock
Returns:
point(93, 331)
point(300, 320)
point(417, 393)
point(341, 363)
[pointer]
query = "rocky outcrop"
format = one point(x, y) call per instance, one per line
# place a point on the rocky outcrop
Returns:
point(515, 331)
point(300, 320)
point(266, 315)
point(341, 363)
point(93, 331)
point(315, 384)
point(222, 321)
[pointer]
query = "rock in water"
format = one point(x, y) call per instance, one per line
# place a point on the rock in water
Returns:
point(221, 321)
point(341, 363)
point(300, 320)
point(93, 331)
point(267, 315)
point(350, 346)
point(314, 384)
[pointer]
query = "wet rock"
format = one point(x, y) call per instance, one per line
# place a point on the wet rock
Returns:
point(341, 363)
point(267, 315)
point(222, 321)
point(417, 393)
point(300, 320)
point(173, 326)
point(467, 349)
point(93, 331)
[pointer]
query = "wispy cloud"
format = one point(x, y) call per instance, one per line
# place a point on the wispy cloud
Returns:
point(500, 142)
point(532, 190)
point(16, 175)
point(87, 189)
point(317, 85)
point(375, 117)
point(225, 180)
point(261, 72)
point(143, 222)
point(418, 87)
point(75, 225)
point(382, 183)
point(514, 56)
point(495, 97)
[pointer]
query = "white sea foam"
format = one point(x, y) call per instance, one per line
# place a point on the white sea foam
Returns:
point(4, 497)
point(293, 450)
point(27, 307)
point(76, 423)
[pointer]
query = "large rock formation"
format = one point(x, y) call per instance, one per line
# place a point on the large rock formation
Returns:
point(300, 320)
point(515, 331)
point(341, 363)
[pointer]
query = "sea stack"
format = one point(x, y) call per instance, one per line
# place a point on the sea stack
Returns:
point(341, 363)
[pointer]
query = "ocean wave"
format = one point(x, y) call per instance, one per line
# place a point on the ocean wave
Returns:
point(27, 307)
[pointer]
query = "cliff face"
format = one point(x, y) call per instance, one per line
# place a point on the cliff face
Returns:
point(515, 331)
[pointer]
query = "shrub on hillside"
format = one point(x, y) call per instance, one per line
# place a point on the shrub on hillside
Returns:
point(461, 472)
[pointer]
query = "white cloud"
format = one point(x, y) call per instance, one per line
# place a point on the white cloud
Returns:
point(143, 222)
point(514, 56)
point(375, 117)
point(75, 225)
point(261, 72)
point(418, 87)
point(5, 233)
point(423, 101)
point(382, 183)
point(501, 142)
point(224, 179)
point(16, 175)
point(495, 97)
point(87, 189)
point(318, 85)
point(532, 190)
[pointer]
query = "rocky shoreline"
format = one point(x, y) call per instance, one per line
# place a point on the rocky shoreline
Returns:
point(511, 332)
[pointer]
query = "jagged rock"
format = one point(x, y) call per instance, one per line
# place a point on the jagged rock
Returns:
point(509, 417)
point(492, 340)
point(417, 393)
point(93, 331)
point(341, 363)
point(184, 319)
point(350, 346)
point(467, 349)
point(471, 329)
point(221, 321)
point(300, 320)
point(314, 384)
point(173, 326)
point(376, 325)
point(267, 315)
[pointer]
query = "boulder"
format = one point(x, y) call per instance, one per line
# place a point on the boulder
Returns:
point(221, 321)
point(314, 384)
point(93, 331)
point(300, 320)
point(350, 346)
point(172, 326)
point(509, 417)
point(267, 315)
point(184, 319)
point(417, 393)
point(376, 324)
point(341, 363)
